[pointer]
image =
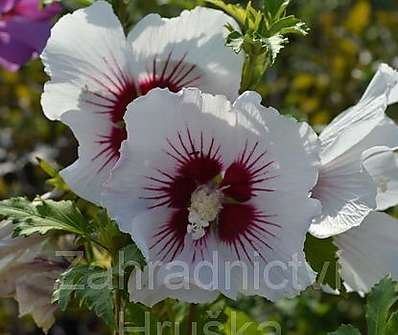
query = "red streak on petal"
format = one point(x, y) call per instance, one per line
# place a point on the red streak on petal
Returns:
point(111, 146)
point(111, 101)
point(173, 75)
point(169, 240)
point(244, 228)
point(245, 173)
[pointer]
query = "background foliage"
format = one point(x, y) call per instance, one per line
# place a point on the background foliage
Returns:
point(314, 79)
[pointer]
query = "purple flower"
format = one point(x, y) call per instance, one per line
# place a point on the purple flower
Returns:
point(24, 30)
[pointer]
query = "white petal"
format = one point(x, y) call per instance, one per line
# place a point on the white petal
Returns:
point(87, 52)
point(345, 188)
point(155, 279)
point(347, 194)
point(150, 295)
point(87, 175)
point(294, 145)
point(200, 35)
point(367, 253)
point(385, 74)
point(382, 165)
point(283, 270)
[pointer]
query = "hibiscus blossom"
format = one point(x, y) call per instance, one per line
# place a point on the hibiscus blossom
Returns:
point(28, 271)
point(367, 253)
point(345, 188)
point(24, 30)
point(96, 72)
point(359, 175)
point(200, 178)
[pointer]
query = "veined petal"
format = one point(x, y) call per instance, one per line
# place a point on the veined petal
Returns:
point(177, 266)
point(86, 58)
point(347, 193)
point(189, 50)
point(300, 157)
point(346, 190)
point(97, 156)
point(90, 88)
point(271, 246)
point(345, 187)
point(382, 165)
point(367, 253)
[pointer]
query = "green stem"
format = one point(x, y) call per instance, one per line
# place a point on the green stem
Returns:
point(119, 306)
point(253, 70)
point(191, 318)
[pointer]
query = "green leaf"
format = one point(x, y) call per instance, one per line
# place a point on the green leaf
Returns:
point(128, 259)
point(41, 216)
point(289, 25)
point(108, 233)
point(392, 324)
point(236, 11)
point(274, 9)
point(346, 330)
point(321, 255)
point(261, 36)
point(90, 286)
point(380, 300)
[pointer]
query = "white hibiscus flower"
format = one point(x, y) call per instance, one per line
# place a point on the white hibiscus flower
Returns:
point(358, 175)
point(201, 178)
point(96, 72)
point(368, 252)
point(345, 188)
point(28, 271)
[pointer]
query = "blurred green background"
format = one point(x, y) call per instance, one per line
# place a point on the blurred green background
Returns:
point(315, 78)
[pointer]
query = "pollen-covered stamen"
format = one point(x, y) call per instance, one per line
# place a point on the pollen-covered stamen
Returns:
point(171, 74)
point(206, 203)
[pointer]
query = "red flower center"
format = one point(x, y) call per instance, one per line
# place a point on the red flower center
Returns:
point(173, 75)
point(199, 167)
point(119, 90)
